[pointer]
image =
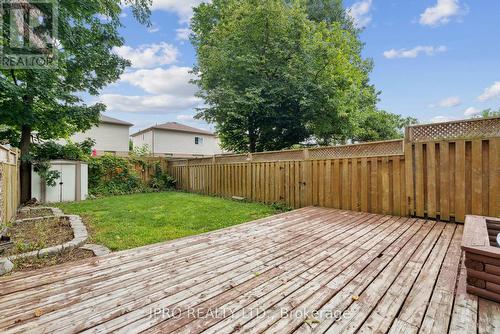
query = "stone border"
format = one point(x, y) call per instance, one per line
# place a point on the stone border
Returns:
point(98, 250)
point(80, 235)
point(26, 209)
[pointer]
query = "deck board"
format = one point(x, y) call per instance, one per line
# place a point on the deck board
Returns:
point(388, 274)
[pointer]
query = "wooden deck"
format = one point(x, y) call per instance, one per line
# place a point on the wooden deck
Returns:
point(359, 272)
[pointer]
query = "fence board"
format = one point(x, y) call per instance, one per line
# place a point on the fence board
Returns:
point(10, 199)
point(494, 177)
point(444, 181)
point(435, 176)
point(431, 180)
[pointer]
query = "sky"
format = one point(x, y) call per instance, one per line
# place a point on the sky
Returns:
point(435, 60)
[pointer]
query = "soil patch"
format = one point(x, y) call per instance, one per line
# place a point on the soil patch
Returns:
point(34, 213)
point(38, 234)
point(33, 263)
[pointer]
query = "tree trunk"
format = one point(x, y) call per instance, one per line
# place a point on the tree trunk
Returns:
point(252, 141)
point(25, 164)
point(252, 136)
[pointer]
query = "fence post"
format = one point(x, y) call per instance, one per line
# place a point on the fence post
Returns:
point(188, 175)
point(409, 173)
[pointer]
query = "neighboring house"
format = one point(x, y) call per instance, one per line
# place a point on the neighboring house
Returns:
point(111, 136)
point(177, 140)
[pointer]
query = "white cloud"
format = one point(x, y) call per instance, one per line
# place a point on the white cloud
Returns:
point(360, 13)
point(149, 104)
point(471, 111)
point(154, 28)
point(414, 52)
point(168, 91)
point(441, 13)
point(440, 119)
point(183, 8)
point(149, 55)
point(189, 119)
point(491, 92)
point(173, 81)
point(449, 102)
point(183, 33)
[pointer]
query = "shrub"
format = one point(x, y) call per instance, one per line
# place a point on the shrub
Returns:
point(110, 175)
point(161, 180)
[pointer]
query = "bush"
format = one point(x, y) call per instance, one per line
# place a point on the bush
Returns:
point(161, 180)
point(111, 175)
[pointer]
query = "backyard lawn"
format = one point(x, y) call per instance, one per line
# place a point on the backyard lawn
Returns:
point(129, 221)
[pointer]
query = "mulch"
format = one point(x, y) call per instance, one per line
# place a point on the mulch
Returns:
point(35, 214)
point(28, 264)
point(38, 234)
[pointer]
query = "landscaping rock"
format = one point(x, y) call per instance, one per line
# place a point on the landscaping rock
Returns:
point(98, 250)
point(5, 266)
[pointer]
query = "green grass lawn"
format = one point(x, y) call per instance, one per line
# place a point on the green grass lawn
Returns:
point(129, 221)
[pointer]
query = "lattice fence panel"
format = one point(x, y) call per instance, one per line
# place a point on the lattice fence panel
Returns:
point(469, 129)
point(279, 156)
point(175, 163)
point(200, 161)
point(229, 159)
point(386, 148)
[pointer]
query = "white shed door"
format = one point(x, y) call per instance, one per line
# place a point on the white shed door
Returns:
point(68, 186)
point(53, 194)
point(64, 190)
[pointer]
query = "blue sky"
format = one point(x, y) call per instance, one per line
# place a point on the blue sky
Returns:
point(434, 60)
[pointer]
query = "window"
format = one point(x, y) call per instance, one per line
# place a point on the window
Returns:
point(198, 140)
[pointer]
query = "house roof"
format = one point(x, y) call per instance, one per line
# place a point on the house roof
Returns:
point(174, 126)
point(111, 120)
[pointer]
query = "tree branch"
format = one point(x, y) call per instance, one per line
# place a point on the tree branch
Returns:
point(13, 74)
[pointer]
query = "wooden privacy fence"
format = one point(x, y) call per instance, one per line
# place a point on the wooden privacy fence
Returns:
point(440, 171)
point(9, 183)
point(454, 169)
point(145, 167)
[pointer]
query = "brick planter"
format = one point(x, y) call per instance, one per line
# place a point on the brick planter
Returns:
point(482, 256)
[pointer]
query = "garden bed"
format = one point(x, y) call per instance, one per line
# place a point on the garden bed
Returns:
point(33, 263)
point(38, 234)
point(35, 212)
point(36, 242)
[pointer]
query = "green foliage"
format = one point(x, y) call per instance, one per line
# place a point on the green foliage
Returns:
point(141, 151)
point(50, 101)
point(42, 153)
point(488, 113)
point(161, 181)
point(381, 125)
point(281, 207)
point(111, 175)
point(275, 73)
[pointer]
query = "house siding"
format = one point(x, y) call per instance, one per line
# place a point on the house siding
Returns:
point(142, 139)
point(178, 144)
point(111, 138)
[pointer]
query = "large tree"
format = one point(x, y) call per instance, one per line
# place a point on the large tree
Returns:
point(49, 102)
point(274, 73)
